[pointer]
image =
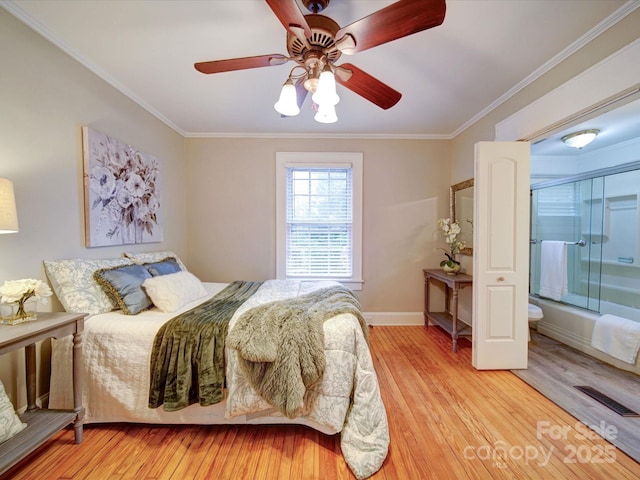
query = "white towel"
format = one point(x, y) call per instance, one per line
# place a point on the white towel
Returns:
point(617, 336)
point(553, 269)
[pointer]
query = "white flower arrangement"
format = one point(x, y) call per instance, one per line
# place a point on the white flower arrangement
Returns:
point(19, 291)
point(451, 230)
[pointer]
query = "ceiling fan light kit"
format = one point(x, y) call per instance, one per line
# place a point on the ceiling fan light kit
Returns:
point(315, 42)
point(322, 86)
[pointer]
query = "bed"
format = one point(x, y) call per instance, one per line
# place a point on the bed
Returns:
point(117, 349)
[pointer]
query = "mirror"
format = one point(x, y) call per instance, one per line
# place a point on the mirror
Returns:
point(461, 211)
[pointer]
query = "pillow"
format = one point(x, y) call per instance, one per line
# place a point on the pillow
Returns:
point(124, 286)
point(10, 423)
point(73, 283)
point(165, 267)
point(173, 291)
point(151, 257)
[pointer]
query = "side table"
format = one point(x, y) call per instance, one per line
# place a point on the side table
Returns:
point(448, 320)
point(42, 423)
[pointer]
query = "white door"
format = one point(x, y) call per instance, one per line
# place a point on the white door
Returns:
point(501, 255)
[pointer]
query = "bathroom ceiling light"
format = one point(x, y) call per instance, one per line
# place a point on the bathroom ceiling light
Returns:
point(581, 138)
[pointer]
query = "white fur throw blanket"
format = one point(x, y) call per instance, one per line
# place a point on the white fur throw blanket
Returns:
point(280, 344)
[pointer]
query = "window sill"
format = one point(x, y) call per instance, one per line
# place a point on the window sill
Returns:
point(350, 284)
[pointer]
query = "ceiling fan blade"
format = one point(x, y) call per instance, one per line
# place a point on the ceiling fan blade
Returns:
point(290, 15)
point(366, 86)
point(217, 66)
point(398, 20)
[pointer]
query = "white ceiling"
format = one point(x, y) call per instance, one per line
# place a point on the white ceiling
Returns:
point(451, 75)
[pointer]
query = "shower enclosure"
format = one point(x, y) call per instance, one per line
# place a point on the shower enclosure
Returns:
point(598, 216)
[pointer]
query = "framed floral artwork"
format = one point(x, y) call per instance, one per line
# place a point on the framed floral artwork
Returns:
point(121, 192)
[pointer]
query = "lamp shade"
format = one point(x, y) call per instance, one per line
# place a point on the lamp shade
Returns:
point(8, 213)
point(326, 91)
point(326, 114)
point(287, 104)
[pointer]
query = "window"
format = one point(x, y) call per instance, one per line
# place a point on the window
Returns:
point(559, 200)
point(319, 217)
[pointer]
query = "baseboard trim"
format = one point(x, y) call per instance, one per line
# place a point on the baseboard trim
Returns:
point(565, 336)
point(394, 318)
point(41, 402)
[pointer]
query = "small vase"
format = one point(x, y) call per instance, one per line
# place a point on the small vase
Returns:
point(452, 269)
point(18, 312)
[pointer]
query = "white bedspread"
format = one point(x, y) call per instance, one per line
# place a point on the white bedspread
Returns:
point(117, 349)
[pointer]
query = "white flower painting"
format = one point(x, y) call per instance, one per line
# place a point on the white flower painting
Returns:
point(122, 192)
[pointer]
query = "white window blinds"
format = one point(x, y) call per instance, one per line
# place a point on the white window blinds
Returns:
point(559, 200)
point(319, 217)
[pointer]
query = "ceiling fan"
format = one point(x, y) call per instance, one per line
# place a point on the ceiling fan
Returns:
point(315, 42)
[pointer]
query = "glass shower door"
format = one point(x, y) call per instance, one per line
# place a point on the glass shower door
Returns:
point(591, 254)
point(565, 212)
point(603, 213)
point(620, 233)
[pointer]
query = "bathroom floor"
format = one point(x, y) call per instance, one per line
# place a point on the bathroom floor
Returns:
point(555, 369)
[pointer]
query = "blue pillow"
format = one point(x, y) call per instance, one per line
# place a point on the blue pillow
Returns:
point(123, 285)
point(163, 267)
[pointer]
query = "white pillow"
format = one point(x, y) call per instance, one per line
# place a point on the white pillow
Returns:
point(173, 291)
point(10, 423)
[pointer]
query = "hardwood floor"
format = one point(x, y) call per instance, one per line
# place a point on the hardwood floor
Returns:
point(446, 419)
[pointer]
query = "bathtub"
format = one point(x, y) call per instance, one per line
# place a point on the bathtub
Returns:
point(573, 326)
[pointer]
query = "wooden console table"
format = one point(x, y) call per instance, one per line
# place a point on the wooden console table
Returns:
point(42, 423)
point(448, 320)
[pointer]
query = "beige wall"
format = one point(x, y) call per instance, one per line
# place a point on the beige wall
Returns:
point(231, 212)
point(45, 99)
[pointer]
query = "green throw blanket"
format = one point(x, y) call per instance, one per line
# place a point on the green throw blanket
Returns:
point(280, 344)
point(187, 359)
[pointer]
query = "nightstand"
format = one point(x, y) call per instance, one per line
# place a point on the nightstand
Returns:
point(42, 423)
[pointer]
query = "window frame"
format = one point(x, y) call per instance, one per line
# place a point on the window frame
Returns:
point(320, 160)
